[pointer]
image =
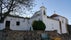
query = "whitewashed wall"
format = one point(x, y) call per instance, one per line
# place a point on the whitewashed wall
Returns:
point(64, 23)
point(56, 18)
point(23, 23)
point(51, 24)
point(2, 26)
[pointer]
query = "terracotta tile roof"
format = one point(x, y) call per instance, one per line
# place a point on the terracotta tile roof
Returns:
point(54, 15)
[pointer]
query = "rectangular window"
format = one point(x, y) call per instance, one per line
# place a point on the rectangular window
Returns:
point(17, 23)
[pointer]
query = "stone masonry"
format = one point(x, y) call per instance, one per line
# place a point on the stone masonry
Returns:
point(23, 35)
point(19, 35)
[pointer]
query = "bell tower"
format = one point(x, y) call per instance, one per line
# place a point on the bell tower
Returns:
point(42, 9)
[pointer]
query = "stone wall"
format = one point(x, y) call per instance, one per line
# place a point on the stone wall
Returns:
point(22, 35)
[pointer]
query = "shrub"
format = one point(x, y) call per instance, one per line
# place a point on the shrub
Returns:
point(38, 25)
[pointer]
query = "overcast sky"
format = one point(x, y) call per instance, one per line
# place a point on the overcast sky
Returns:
point(62, 7)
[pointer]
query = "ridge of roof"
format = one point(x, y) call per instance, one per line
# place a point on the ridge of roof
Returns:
point(16, 16)
point(55, 15)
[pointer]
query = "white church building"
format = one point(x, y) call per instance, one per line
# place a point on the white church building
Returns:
point(54, 22)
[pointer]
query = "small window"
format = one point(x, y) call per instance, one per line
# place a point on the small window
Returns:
point(44, 12)
point(17, 23)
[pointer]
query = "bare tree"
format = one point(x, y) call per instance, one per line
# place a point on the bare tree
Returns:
point(7, 6)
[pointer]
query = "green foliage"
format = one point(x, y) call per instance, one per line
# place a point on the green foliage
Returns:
point(38, 25)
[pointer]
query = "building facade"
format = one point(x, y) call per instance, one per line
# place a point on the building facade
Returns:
point(54, 22)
